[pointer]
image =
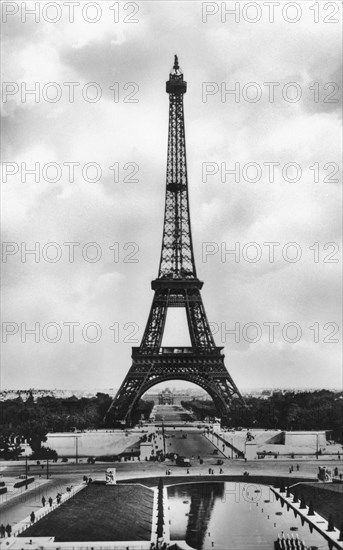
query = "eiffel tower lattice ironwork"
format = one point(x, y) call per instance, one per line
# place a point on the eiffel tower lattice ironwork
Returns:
point(177, 285)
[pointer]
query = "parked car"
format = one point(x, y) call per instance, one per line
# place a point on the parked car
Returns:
point(183, 461)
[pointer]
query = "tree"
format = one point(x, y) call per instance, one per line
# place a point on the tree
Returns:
point(9, 450)
point(44, 453)
point(160, 519)
point(292, 416)
point(34, 432)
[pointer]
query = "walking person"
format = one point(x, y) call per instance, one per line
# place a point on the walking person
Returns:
point(2, 531)
point(298, 467)
point(8, 530)
point(43, 501)
point(50, 502)
point(32, 517)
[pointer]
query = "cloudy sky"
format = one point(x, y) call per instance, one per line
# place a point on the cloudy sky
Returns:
point(119, 117)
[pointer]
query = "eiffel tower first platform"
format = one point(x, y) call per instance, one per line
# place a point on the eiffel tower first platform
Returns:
point(177, 285)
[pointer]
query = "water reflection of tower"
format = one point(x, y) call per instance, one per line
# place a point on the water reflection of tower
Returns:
point(203, 497)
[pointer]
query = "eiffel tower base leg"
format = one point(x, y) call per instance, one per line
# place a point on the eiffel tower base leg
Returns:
point(206, 370)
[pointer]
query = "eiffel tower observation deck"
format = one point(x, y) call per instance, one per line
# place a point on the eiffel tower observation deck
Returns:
point(177, 286)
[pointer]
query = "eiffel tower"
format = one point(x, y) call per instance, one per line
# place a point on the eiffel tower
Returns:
point(177, 285)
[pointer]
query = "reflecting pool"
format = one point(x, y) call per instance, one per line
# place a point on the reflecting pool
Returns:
point(233, 516)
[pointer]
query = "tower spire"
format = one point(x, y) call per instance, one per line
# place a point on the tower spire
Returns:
point(177, 257)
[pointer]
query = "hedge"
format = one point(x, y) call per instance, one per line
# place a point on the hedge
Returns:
point(23, 482)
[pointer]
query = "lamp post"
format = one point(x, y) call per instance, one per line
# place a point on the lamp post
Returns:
point(163, 436)
point(47, 468)
point(26, 470)
point(76, 450)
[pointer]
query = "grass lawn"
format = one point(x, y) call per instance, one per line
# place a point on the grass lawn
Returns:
point(100, 513)
point(327, 499)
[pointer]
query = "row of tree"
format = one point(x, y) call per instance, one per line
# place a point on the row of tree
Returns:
point(315, 410)
point(31, 420)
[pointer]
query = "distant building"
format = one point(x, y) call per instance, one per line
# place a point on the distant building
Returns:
point(166, 397)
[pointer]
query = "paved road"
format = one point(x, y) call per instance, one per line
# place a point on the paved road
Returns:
point(189, 444)
point(22, 505)
point(172, 413)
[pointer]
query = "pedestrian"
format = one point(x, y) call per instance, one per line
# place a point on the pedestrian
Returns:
point(336, 472)
point(187, 470)
point(209, 470)
point(43, 501)
point(298, 467)
point(32, 517)
point(50, 502)
point(8, 530)
point(2, 531)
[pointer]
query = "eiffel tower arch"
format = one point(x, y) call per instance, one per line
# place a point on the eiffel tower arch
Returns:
point(177, 286)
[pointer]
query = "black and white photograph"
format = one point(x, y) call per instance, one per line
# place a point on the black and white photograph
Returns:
point(171, 261)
